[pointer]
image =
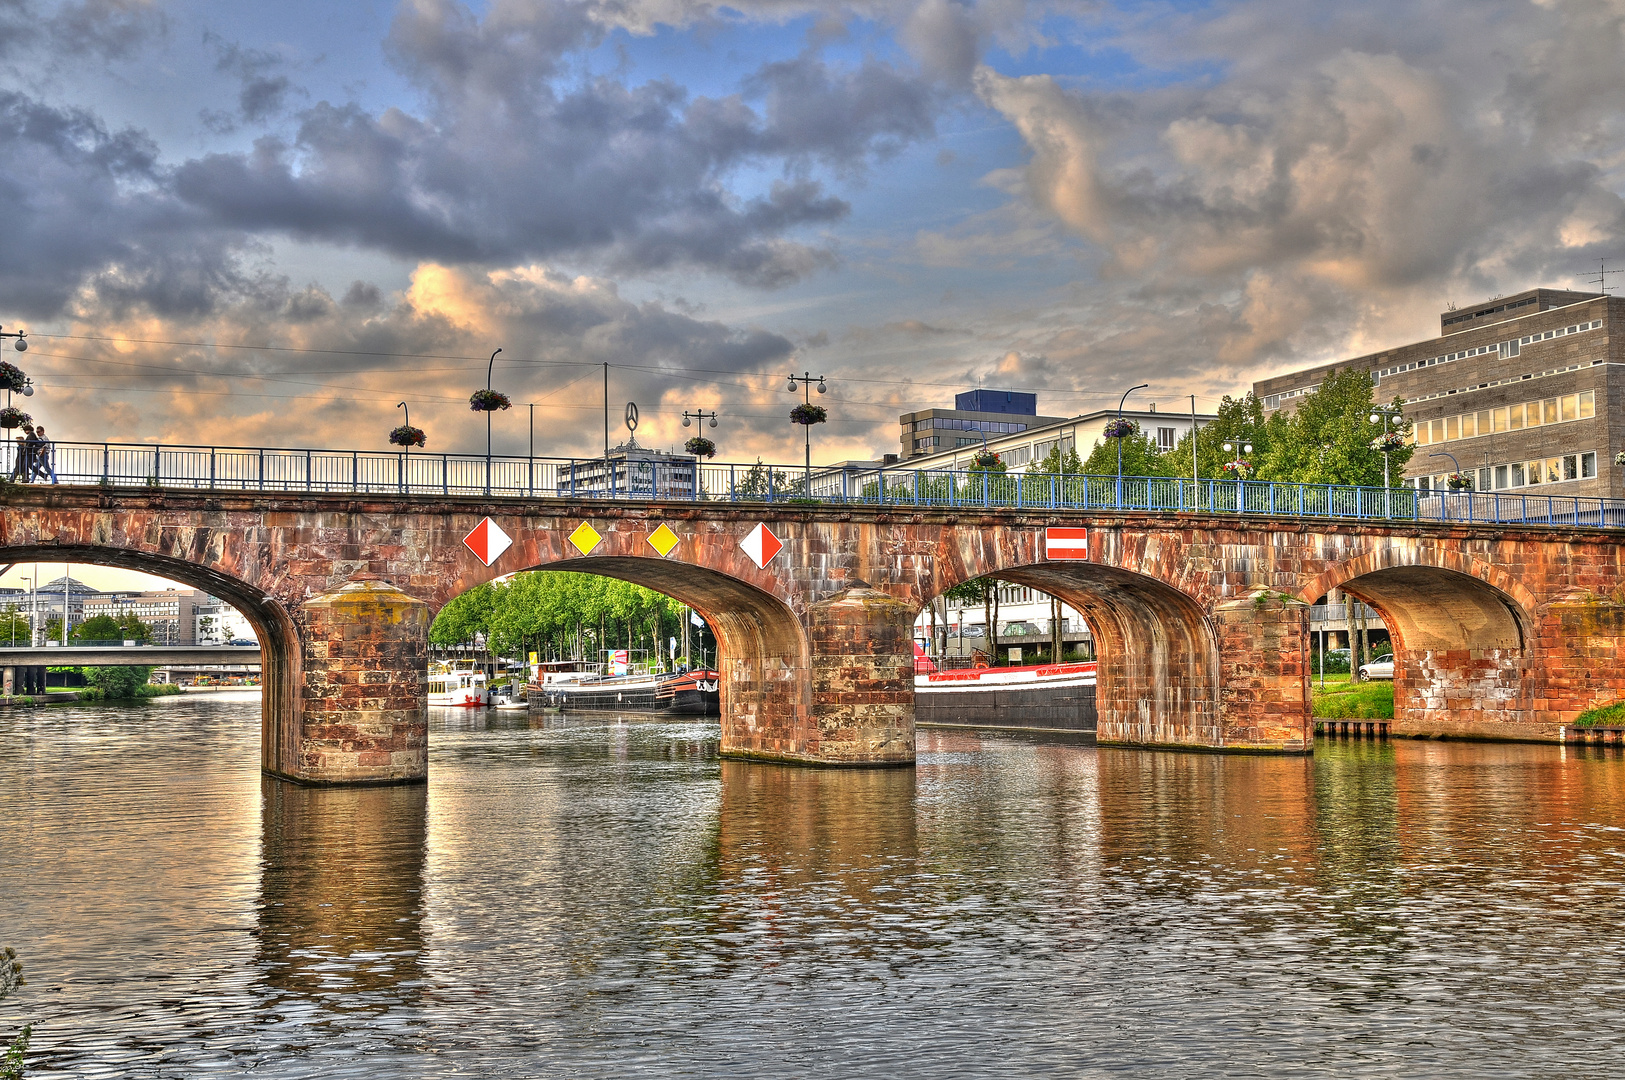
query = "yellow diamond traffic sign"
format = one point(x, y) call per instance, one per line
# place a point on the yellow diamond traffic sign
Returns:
point(585, 538)
point(663, 540)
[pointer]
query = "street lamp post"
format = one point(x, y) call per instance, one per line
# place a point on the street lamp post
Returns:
point(806, 379)
point(699, 414)
point(488, 412)
point(1120, 401)
point(1385, 415)
point(1455, 465)
point(1239, 448)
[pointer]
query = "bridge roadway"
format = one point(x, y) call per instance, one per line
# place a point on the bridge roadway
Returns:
point(130, 656)
point(1506, 627)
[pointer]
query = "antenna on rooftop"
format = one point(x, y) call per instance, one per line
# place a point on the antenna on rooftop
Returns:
point(1603, 274)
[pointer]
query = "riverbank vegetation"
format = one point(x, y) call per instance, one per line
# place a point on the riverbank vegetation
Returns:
point(122, 684)
point(1610, 715)
point(1342, 699)
point(562, 615)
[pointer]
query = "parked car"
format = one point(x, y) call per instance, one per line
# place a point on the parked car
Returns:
point(1380, 668)
point(973, 631)
point(242, 641)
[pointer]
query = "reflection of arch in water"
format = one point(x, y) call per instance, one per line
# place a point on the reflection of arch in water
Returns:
point(1157, 653)
point(280, 667)
point(763, 652)
point(1460, 630)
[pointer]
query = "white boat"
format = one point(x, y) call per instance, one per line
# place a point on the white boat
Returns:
point(459, 683)
point(509, 696)
point(1055, 697)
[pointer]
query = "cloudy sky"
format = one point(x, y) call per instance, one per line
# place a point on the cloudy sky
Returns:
point(266, 224)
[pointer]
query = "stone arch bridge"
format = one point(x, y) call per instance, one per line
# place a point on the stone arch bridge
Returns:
point(1201, 621)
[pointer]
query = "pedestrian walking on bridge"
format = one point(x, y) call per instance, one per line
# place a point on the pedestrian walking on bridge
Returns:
point(44, 456)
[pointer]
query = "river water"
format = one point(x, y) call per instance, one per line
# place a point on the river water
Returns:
point(602, 897)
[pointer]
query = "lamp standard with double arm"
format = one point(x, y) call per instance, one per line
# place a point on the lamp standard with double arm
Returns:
point(1387, 416)
point(806, 379)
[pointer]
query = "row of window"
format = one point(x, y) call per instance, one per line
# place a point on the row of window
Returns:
point(1469, 316)
point(1552, 410)
point(1506, 349)
point(953, 423)
point(1525, 377)
point(1517, 474)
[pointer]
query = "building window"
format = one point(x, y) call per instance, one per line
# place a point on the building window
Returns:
point(1165, 438)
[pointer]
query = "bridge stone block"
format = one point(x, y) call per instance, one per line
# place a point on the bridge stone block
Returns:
point(365, 693)
point(1264, 674)
point(862, 644)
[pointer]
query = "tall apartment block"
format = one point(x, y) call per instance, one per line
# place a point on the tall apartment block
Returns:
point(1524, 392)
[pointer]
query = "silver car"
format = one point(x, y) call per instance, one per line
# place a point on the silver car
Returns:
point(1380, 668)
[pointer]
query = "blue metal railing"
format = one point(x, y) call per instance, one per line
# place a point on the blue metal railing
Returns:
point(367, 472)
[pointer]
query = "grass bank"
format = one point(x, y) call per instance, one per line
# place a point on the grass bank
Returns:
point(1343, 699)
point(1611, 715)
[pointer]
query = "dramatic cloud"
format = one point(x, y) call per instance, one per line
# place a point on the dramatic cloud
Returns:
point(342, 365)
point(511, 164)
point(1341, 181)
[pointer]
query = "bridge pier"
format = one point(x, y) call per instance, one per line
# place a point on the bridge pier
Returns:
point(1264, 693)
point(363, 704)
point(863, 678)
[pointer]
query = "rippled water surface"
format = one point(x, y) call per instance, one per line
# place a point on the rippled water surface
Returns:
point(603, 897)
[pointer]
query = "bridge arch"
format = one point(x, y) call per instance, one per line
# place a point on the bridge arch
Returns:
point(1156, 649)
point(280, 653)
point(1461, 629)
point(763, 649)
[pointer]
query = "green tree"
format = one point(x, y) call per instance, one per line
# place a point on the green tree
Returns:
point(98, 628)
point(1140, 457)
point(119, 683)
point(131, 628)
point(759, 482)
point(465, 617)
point(1240, 421)
point(13, 626)
point(1058, 460)
point(1327, 439)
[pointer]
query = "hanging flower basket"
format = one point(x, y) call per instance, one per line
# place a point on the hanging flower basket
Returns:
point(700, 446)
point(1458, 482)
point(13, 418)
point(488, 401)
point(1237, 468)
point(1120, 429)
point(985, 459)
point(1390, 443)
point(12, 378)
point(809, 415)
point(408, 436)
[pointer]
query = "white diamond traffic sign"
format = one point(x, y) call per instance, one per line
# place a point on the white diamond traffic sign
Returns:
point(488, 541)
point(761, 545)
point(1066, 544)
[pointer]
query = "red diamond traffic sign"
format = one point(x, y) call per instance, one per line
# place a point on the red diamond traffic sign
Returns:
point(761, 545)
point(487, 541)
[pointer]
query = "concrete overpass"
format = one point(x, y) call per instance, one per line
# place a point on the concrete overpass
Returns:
point(130, 656)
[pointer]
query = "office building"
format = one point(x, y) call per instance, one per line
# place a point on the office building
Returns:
point(976, 414)
point(171, 613)
point(1031, 437)
point(1523, 392)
